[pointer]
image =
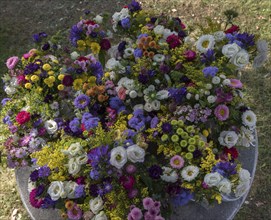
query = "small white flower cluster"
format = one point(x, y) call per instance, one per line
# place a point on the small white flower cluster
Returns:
point(238, 56)
point(59, 189)
point(161, 30)
point(216, 180)
point(119, 155)
point(77, 158)
point(96, 205)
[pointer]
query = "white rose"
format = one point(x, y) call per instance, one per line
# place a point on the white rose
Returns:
point(136, 154)
point(56, 190)
point(212, 179)
point(73, 167)
point(74, 149)
point(224, 186)
point(148, 107)
point(166, 33)
point(112, 64)
point(229, 50)
point(169, 175)
point(82, 159)
point(219, 36)
point(96, 205)
point(74, 55)
point(113, 52)
point(228, 138)
point(98, 19)
point(155, 105)
point(244, 175)
point(159, 29)
point(69, 188)
point(241, 59)
point(162, 94)
point(101, 216)
point(50, 126)
point(10, 90)
point(118, 157)
point(242, 188)
point(138, 106)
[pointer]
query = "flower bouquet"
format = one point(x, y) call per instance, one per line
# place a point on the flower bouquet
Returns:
point(135, 123)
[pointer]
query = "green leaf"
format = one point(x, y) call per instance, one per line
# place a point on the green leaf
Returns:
point(102, 57)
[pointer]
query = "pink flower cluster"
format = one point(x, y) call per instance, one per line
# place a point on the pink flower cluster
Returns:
point(152, 210)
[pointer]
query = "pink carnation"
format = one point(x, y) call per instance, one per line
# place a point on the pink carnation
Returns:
point(222, 112)
point(23, 117)
point(11, 62)
point(177, 162)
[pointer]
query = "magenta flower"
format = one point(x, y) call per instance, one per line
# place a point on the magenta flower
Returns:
point(177, 162)
point(11, 62)
point(136, 214)
point(222, 112)
point(236, 83)
point(131, 169)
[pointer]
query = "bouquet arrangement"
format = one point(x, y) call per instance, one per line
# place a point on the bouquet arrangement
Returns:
point(132, 124)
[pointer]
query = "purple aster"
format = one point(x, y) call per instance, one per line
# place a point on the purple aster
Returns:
point(226, 169)
point(134, 6)
point(31, 68)
point(155, 171)
point(44, 171)
point(138, 120)
point(177, 94)
point(45, 46)
point(75, 125)
point(183, 198)
point(89, 121)
point(166, 127)
point(107, 187)
point(125, 23)
point(48, 203)
point(154, 122)
point(164, 68)
point(244, 40)
point(80, 191)
point(138, 53)
point(210, 71)
point(173, 189)
point(81, 101)
point(6, 120)
point(94, 174)
point(223, 96)
point(34, 176)
point(97, 70)
point(75, 35)
point(38, 37)
point(117, 104)
point(75, 213)
point(208, 57)
point(143, 78)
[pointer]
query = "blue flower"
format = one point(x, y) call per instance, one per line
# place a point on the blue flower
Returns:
point(75, 35)
point(134, 6)
point(44, 171)
point(225, 169)
point(210, 71)
point(177, 94)
point(138, 53)
point(138, 120)
point(74, 125)
point(208, 57)
point(243, 40)
point(81, 101)
point(4, 101)
point(89, 121)
point(80, 191)
point(117, 104)
point(183, 198)
point(125, 23)
point(97, 70)
point(94, 174)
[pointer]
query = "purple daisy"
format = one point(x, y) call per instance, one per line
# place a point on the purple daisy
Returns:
point(81, 101)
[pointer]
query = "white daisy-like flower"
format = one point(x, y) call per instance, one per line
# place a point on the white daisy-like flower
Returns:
point(228, 138)
point(249, 119)
point(189, 173)
point(158, 58)
point(205, 42)
point(169, 175)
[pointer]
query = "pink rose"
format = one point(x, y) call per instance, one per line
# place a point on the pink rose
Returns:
point(122, 93)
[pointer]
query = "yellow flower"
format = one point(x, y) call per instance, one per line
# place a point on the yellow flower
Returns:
point(92, 80)
point(60, 87)
point(107, 74)
point(205, 133)
point(77, 84)
point(61, 76)
point(28, 85)
point(52, 78)
point(95, 47)
point(51, 72)
point(34, 78)
point(39, 90)
point(27, 77)
point(38, 72)
point(81, 45)
point(46, 67)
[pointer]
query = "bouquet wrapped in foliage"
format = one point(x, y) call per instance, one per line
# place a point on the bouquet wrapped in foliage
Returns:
point(132, 124)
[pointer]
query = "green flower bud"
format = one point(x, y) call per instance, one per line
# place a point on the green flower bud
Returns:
point(201, 143)
point(178, 149)
point(175, 138)
point(180, 123)
point(174, 122)
point(184, 135)
point(190, 129)
point(192, 141)
point(189, 156)
point(191, 148)
point(179, 131)
point(164, 137)
point(183, 143)
point(85, 134)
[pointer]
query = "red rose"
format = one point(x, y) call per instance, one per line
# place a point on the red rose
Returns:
point(90, 22)
point(105, 44)
point(232, 29)
point(173, 41)
point(23, 117)
point(232, 151)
